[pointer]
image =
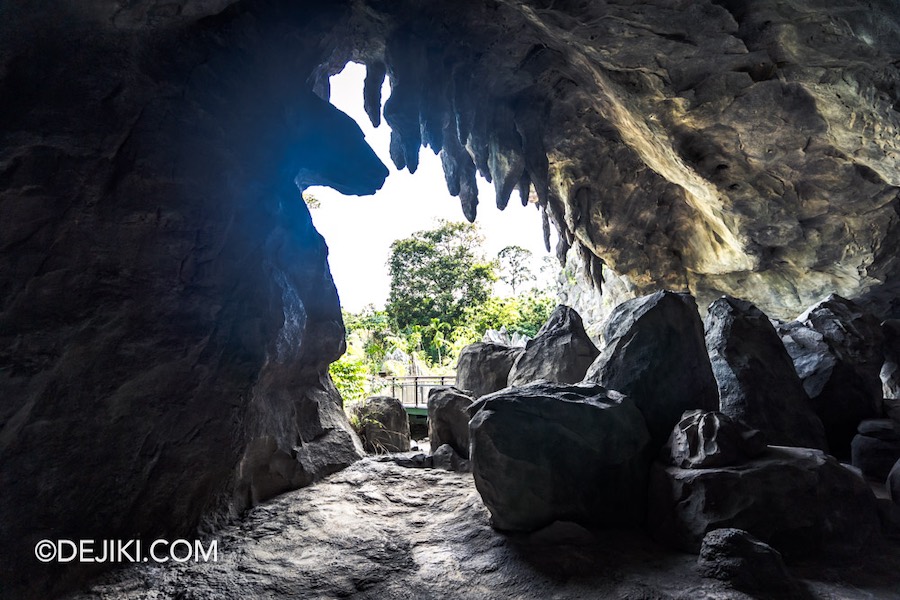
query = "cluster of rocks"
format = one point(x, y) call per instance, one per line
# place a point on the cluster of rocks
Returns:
point(719, 437)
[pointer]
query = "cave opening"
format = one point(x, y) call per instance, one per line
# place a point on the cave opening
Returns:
point(407, 202)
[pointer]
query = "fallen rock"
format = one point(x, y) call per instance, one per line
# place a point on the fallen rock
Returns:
point(484, 367)
point(703, 440)
point(445, 457)
point(756, 377)
point(735, 556)
point(655, 354)
point(890, 371)
point(448, 419)
point(799, 500)
point(545, 452)
point(561, 352)
point(382, 424)
point(837, 351)
point(876, 447)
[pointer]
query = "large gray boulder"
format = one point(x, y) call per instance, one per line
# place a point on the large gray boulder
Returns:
point(484, 367)
point(799, 500)
point(837, 352)
point(890, 371)
point(655, 354)
point(876, 447)
point(738, 558)
point(561, 351)
point(757, 380)
point(703, 439)
point(448, 419)
point(382, 424)
point(545, 452)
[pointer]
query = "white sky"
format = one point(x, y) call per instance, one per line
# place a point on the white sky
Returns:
point(359, 230)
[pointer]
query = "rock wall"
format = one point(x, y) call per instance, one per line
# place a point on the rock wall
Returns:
point(166, 310)
point(715, 147)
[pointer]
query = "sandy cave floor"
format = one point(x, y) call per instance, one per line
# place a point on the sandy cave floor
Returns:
point(380, 531)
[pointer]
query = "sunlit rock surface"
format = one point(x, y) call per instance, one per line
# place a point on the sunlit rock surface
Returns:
point(377, 530)
point(716, 147)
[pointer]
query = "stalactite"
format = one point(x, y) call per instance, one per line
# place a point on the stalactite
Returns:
point(406, 70)
point(459, 172)
point(505, 159)
point(524, 187)
point(376, 71)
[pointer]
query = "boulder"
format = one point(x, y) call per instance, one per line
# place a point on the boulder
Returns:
point(893, 483)
point(655, 354)
point(561, 352)
point(756, 377)
point(890, 371)
point(799, 500)
point(382, 424)
point(448, 418)
point(703, 440)
point(876, 447)
point(484, 367)
point(747, 564)
point(445, 457)
point(545, 452)
point(837, 351)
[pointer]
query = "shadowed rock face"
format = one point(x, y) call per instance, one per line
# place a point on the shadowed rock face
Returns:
point(166, 310)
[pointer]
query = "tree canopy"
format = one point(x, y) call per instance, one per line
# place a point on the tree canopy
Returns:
point(438, 274)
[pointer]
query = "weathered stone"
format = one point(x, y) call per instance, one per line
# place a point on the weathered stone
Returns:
point(445, 457)
point(876, 447)
point(656, 355)
point(382, 424)
point(890, 371)
point(545, 452)
point(837, 351)
point(735, 556)
point(704, 440)
point(483, 368)
point(758, 384)
point(448, 419)
point(561, 351)
point(799, 500)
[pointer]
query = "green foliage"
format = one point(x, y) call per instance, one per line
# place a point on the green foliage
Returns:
point(524, 314)
point(438, 274)
point(349, 374)
point(514, 269)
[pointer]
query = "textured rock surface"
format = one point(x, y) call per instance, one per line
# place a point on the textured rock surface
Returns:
point(798, 500)
point(561, 351)
point(483, 368)
point(876, 447)
point(546, 452)
point(382, 424)
point(448, 418)
point(166, 310)
point(655, 354)
point(740, 148)
point(152, 246)
point(890, 371)
point(445, 457)
point(735, 556)
point(376, 530)
point(757, 380)
point(837, 351)
point(704, 440)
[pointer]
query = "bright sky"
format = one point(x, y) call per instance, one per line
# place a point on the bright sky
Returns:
point(359, 230)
